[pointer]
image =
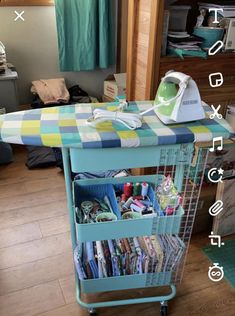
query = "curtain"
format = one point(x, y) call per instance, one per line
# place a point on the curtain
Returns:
point(85, 31)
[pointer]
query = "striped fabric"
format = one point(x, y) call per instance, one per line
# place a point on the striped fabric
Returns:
point(65, 126)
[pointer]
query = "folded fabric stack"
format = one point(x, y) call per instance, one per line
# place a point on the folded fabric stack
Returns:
point(181, 43)
point(128, 256)
point(3, 61)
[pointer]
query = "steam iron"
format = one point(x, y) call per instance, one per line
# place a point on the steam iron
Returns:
point(178, 99)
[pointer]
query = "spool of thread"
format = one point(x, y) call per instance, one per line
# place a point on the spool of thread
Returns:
point(137, 189)
point(148, 211)
point(169, 211)
point(180, 200)
point(144, 190)
point(138, 197)
point(128, 189)
point(138, 203)
point(136, 208)
point(123, 198)
point(146, 203)
point(128, 203)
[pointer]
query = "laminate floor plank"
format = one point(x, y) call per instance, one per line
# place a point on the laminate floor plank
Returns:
point(32, 199)
point(54, 225)
point(34, 250)
point(35, 273)
point(19, 234)
point(43, 210)
point(32, 301)
point(68, 288)
point(67, 310)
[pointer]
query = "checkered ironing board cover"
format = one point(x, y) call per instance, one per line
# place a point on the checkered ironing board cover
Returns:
point(65, 126)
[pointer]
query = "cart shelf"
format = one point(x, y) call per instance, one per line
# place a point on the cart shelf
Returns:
point(144, 226)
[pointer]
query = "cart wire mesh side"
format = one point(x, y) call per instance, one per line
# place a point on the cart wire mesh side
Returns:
point(188, 178)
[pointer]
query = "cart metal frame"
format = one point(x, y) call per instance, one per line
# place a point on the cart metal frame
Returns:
point(187, 178)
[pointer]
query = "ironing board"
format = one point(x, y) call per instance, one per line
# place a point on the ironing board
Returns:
point(113, 146)
point(65, 126)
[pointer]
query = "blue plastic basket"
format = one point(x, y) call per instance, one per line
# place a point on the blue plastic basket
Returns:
point(99, 191)
point(122, 228)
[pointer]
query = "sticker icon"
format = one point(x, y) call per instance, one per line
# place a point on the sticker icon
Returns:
point(215, 175)
point(216, 240)
point(216, 273)
point(216, 79)
point(216, 208)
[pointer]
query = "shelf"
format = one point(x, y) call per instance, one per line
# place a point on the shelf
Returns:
point(219, 57)
point(200, 68)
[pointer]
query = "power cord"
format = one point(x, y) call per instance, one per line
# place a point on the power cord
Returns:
point(131, 120)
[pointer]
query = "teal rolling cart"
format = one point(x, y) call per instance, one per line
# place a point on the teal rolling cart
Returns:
point(174, 160)
point(169, 149)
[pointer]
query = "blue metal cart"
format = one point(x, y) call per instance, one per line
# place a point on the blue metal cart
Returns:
point(174, 160)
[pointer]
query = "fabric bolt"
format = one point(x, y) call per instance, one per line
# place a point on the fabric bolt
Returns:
point(128, 256)
point(66, 126)
point(85, 34)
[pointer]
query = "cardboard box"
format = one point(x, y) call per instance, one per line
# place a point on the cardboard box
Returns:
point(115, 85)
point(106, 99)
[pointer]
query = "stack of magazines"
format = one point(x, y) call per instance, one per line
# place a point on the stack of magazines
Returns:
point(128, 256)
point(183, 40)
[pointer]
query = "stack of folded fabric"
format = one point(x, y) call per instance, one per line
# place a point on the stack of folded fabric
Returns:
point(181, 43)
point(128, 256)
point(3, 62)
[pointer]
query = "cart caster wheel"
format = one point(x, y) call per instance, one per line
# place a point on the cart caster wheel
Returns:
point(164, 310)
point(92, 312)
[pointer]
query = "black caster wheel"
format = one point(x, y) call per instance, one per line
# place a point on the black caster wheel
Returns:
point(164, 308)
point(92, 312)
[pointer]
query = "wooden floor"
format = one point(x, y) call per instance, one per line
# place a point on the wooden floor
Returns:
point(36, 270)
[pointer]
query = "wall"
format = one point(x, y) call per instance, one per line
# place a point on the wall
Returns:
point(32, 47)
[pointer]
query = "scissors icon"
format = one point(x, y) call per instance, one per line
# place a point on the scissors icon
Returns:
point(216, 113)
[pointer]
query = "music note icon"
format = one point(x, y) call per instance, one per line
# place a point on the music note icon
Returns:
point(220, 147)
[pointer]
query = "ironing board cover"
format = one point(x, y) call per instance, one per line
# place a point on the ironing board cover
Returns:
point(65, 126)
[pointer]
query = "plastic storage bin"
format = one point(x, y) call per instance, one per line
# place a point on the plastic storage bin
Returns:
point(122, 228)
point(178, 17)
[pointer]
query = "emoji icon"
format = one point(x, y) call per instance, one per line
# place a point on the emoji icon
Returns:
point(215, 175)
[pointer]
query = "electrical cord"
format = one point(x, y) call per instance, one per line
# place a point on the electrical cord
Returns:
point(131, 120)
